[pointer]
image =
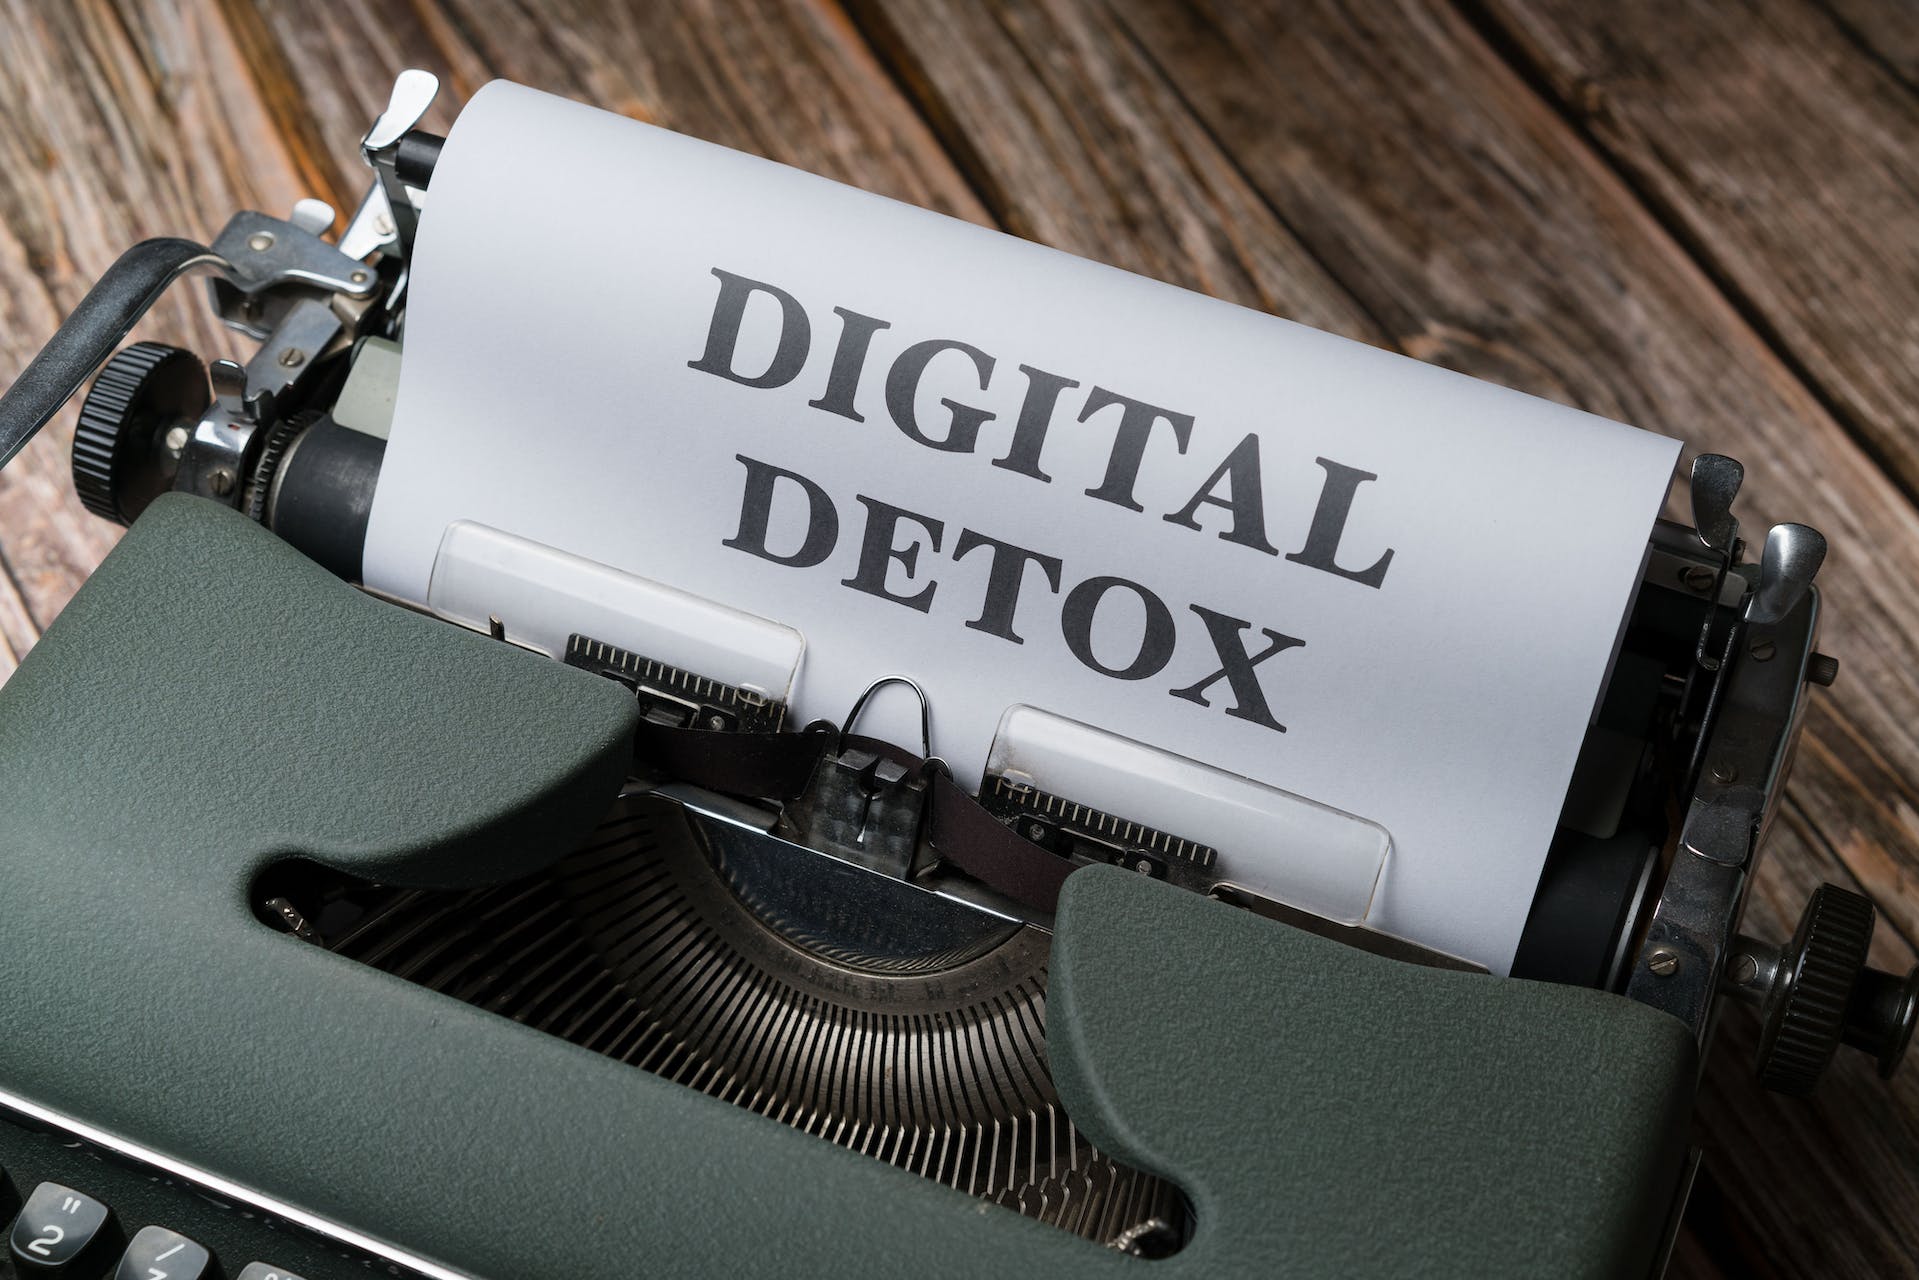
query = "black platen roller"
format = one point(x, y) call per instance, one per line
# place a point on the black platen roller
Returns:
point(322, 493)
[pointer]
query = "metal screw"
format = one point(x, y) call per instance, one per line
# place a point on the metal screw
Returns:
point(716, 721)
point(1035, 831)
point(177, 440)
point(1744, 969)
point(1724, 773)
point(292, 358)
point(358, 277)
point(1663, 963)
point(1763, 650)
point(220, 480)
point(260, 241)
point(383, 224)
point(1697, 578)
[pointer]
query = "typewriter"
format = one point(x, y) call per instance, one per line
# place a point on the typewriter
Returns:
point(346, 936)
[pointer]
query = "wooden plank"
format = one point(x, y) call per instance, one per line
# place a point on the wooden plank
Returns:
point(1478, 231)
point(1886, 29)
point(787, 80)
point(319, 117)
point(1075, 141)
point(1783, 153)
point(17, 629)
point(122, 125)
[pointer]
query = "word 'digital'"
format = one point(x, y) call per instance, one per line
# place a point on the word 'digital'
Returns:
point(1235, 486)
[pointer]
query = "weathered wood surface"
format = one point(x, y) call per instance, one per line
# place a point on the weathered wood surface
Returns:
point(1782, 158)
point(1693, 217)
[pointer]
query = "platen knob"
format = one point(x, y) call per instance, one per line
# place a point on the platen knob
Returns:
point(121, 457)
point(1803, 1017)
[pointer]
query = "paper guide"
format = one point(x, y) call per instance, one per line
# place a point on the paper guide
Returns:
point(1022, 478)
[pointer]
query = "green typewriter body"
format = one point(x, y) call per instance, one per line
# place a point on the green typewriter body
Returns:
point(343, 939)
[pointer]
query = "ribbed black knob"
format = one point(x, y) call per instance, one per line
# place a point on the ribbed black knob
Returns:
point(120, 458)
point(1803, 1019)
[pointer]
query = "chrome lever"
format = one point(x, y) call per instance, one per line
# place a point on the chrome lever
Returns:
point(1787, 567)
point(88, 337)
point(1715, 485)
point(413, 92)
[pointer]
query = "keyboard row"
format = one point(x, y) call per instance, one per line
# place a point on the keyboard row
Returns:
point(67, 1233)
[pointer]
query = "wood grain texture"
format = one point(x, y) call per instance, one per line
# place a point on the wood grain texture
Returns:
point(121, 124)
point(1887, 30)
point(1585, 205)
point(1785, 160)
point(790, 81)
point(1073, 140)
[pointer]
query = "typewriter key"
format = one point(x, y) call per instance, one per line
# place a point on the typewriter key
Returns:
point(159, 1254)
point(56, 1228)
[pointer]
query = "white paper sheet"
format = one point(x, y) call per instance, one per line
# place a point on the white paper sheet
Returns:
point(563, 380)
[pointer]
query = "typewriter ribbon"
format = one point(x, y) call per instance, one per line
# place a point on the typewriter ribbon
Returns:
point(1027, 481)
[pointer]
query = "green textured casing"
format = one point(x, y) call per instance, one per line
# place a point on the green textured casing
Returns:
point(212, 701)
